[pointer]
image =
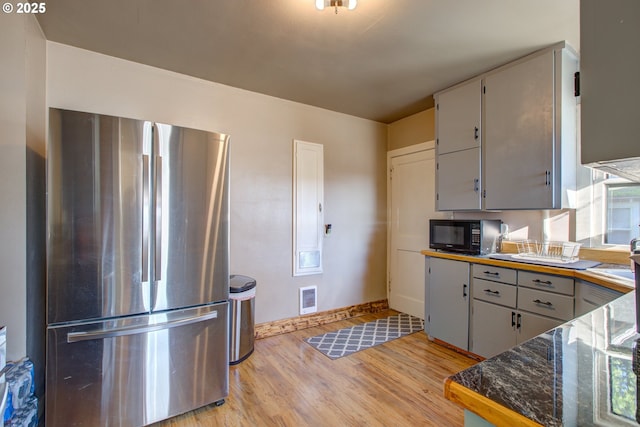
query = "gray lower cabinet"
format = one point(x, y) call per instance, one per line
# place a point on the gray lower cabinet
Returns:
point(448, 318)
point(590, 296)
point(496, 328)
point(508, 307)
point(487, 310)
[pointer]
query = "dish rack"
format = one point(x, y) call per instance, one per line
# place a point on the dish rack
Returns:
point(562, 252)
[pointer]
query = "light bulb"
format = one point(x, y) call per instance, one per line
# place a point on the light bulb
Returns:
point(320, 4)
point(352, 4)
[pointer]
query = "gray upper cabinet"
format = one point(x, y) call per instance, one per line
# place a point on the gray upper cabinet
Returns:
point(458, 181)
point(459, 118)
point(609, 46)
point(530, 127)
point(525, 142)
point(458, 142)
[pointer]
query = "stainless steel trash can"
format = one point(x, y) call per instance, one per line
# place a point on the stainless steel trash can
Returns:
point(242, 292)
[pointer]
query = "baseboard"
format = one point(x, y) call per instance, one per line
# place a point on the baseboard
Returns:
point(456, 349)
point(269, 329)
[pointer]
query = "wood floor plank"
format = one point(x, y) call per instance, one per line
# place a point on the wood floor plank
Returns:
point(286, 382)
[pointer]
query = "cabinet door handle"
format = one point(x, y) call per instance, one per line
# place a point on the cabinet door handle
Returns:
point(476, 133)
point(464, 291)
point(491, 273)
point(476, 186)
point(519, 325)
point(513, 319)
point(542, 282)
point(492, 292)
point(547, 303)
point(547, 178)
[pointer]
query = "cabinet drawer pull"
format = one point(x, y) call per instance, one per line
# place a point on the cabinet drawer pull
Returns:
point(547, 303)
point(491, 273)
point(492, 292)
point(543, 282)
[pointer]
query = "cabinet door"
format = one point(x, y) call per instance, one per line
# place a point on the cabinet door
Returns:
point(590, 296)
point(458, 118)
point(449, 302)
point(458, 181)
point(531, 325)
point(519, 131)
point(493, 329)
point(609, 33)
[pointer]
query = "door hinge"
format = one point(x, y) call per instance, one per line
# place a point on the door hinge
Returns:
point(576, 84)
point(484, 194)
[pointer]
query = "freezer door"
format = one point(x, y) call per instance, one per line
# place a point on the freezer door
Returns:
point(97, 181)
point(137, 371)
point(191, 262)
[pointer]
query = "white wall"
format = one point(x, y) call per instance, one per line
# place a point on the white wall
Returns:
point(22, 49)
point(262, 130)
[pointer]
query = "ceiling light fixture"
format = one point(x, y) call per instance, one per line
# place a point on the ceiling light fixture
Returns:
point(349, 4)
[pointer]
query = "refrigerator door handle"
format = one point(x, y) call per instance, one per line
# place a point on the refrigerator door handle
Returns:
point(158, 206)
point(138, 329)
point(145, 218)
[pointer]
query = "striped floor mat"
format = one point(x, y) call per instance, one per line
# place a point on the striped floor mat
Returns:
point(350, 340)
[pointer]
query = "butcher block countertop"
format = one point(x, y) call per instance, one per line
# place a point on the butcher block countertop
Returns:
point(608, 282)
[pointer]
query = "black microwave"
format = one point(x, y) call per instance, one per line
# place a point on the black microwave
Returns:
point(467, 236)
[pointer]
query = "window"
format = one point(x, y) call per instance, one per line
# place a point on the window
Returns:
point(622, 212)
point(607, 211)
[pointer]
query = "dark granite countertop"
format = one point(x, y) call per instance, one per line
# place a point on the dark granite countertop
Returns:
point(579, 374)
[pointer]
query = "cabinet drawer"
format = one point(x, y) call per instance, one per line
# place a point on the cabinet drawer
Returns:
point(546, 303)
point(497, 293)
point(547, 282)
point(497, 274)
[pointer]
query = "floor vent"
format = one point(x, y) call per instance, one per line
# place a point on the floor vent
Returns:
point(308, 299)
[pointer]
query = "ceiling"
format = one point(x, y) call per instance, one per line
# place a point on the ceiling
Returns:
point(383, 61)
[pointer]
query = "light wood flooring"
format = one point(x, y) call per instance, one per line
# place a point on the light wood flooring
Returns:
point(286, 382)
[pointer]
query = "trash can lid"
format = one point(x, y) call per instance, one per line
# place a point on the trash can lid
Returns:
point(238, 283)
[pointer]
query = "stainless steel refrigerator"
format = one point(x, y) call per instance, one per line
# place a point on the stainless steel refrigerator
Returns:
point(137, 270)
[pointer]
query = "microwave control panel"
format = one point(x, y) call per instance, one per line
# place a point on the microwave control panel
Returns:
point(475, 236)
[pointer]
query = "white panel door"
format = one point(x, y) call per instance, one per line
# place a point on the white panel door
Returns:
point(308, 199)
point(412, 194)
